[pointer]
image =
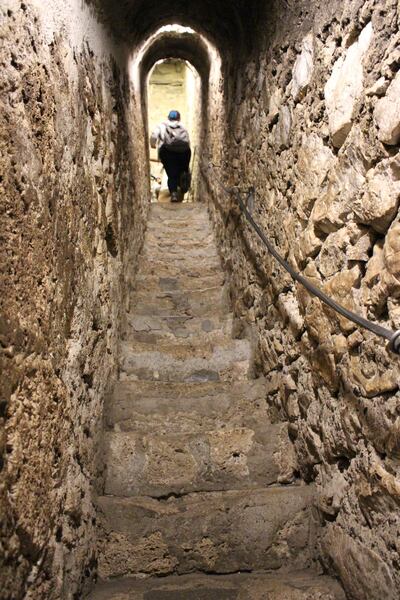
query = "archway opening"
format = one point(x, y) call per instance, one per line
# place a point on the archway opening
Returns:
point(172, 84)
point(195, 71)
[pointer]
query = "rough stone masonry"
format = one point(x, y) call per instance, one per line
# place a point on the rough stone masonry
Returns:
point(314, 124)
point(305, 107)
point(72, 212)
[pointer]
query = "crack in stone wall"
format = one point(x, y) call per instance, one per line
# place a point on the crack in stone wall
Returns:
point(73, 207)
point(313, 121)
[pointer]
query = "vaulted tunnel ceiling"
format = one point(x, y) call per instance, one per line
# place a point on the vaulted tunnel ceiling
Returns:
point(178, 45)
point(229, 24)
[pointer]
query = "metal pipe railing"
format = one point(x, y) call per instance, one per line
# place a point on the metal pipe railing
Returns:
point(393, 337)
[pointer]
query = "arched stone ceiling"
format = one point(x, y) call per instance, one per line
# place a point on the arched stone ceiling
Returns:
point(186, 46)
point(228, 24)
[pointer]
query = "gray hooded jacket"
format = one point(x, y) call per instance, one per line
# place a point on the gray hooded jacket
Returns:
point(158, 136)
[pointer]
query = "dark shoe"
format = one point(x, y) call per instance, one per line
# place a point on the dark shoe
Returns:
point(174, 197)
point(184, 181)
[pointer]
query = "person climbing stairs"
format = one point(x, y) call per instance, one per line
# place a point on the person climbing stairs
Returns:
point(201, 499)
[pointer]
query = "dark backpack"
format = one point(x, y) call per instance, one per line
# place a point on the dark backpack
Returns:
point(176, 138)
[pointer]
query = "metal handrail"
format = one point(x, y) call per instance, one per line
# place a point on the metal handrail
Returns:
point(393, 337)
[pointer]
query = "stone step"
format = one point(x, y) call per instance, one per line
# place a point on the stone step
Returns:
point(190, 270)
point(184, 224)
point(173, 244)
point(159, 464)
point(179, 238)
point(184, 329)
point(187, 253)
point(217, 532)
point(179, 230)
point(196, 303)
point(167, 226)
point(153, 283)
point(164, 218)
point(207, 260)
point(173, 232)
point(183, 209)
point(149, 406)
point(296, 585)
point(189, 364)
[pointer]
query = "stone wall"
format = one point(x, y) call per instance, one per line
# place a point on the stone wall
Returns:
point(313, 121)
point(73, 206)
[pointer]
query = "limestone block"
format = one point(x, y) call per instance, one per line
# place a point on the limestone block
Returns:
point(303, 68)
point(220, 459)
point(197, 303)
point(333, 489)
point(313, 164)
point(394, 312)
point(351, 242)
point(318, 324)
point(341, 288)
point(376, 265)
point(379, 204)
point(328, 213)
point(148, 406)
point(382, 432)
point(387, 114)
point(289, 310)
point(361, 248)
point(382, 278)
point(346, 182)
point(359, 567)
point(391, 251)
point(379, 88)
point(275, 104)
point(283, 128)
point(332, 256)
point(374, 284)
point(173, 363)
point(308, 244)
point(314, 160)
point(306, 585)
point(372, 378)
point(218, 531)
point(344, 88)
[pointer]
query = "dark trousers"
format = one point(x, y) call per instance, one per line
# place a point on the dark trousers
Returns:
point(175, 163)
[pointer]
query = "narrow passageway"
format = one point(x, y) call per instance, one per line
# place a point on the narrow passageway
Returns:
point(180, 419)
point(192, 462)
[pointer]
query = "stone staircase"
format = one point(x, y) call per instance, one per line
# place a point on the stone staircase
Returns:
point(199, 485)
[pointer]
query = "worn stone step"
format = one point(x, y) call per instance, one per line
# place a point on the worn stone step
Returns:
point(178, 239)
point(191, 270)
point(296, 585)
point(185, 329)
point(183, 208)
point(196, 303)
point(148, 406)
point(179, 230)
point(165, 217)
point(196, 238)
point(190, 364)
point(218, 532)
point(185, 224)
point(177, 252)
point(158, 464)
point(199, 261)
point(154, 283)
point(177, 222)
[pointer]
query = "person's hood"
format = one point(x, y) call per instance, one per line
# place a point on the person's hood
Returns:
point(173, 123)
